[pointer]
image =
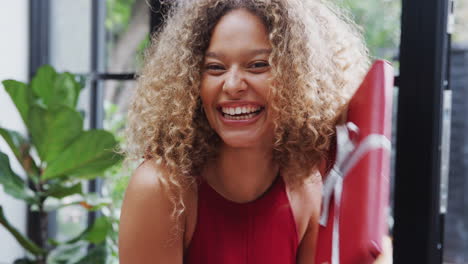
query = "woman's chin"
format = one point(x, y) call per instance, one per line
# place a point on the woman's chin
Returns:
point(244, 140)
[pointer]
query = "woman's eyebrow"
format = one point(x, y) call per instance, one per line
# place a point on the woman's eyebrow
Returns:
point(212, 54)
point(259, 51)
point(252, 52)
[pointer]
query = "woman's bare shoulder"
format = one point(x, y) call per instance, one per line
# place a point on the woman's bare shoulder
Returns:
point(147, 229)
point(148, 175)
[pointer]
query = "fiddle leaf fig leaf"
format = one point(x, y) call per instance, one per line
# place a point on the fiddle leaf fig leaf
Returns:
point(96, 255)
point(61, 190)
point(21, 96)
point(12, 183)
point(55, 88)
point(65, 91)
point(20, 148)
point(52, 130)
point(43, 82)
point(98, 231)
point(78, 83)
point(91, 153)
point(68, 253)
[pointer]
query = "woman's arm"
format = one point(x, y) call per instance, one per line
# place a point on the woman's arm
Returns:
point(146, 228)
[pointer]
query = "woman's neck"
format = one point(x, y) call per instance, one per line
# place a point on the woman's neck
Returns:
point(242, 174)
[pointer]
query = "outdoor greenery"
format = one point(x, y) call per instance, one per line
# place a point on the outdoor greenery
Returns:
point(380, 22)
point(57, 155)
point(119, 15)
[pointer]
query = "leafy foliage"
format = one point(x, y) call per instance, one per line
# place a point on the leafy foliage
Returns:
point(66, 154)
point(119, 14)
point(380, 20)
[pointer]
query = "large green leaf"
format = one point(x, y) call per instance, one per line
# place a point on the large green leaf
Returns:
point(68, 253)
point(65, 91)
point(96, 233)
point(97, 254)
point(43, 82)
point(24, 241)
point(77, 253)
point(78, 84)
point(52, 130)
point(21, 96)
point(12, 183)
point(61, 190)
point(99, 230)
point(55, 89)
point(20, 147)
point(91, 153)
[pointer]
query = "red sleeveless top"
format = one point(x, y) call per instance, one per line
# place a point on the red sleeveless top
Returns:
point(256, 232)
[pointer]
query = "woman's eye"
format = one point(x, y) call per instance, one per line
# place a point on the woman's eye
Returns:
point(214, 67)
point(259, 64)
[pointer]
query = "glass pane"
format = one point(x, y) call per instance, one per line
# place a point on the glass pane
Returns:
point(117, 95)
point(380, 21)
point(71, 220)
point(127, 26)
point(456, 221)
point(70, 30)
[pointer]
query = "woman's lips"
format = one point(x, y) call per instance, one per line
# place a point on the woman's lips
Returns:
point(242, 119)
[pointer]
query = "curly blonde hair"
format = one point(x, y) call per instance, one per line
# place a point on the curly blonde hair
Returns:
point(318, 59)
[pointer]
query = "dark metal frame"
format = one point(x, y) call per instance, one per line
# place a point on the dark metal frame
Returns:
point(39, 24)
point(423, 77)
point(39, 44)
point(98, 33)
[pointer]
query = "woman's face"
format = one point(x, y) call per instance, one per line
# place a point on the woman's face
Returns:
point(236, 81)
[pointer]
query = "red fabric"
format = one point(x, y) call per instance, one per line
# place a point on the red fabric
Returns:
point(260, 231)
point(364, 200)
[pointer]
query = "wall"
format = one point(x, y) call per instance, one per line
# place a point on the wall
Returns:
point(14, 27)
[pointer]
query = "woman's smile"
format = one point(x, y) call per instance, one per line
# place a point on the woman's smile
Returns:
point(240, 113)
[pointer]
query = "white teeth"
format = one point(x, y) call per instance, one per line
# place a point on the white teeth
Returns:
point(240, 110)
point(240, 117)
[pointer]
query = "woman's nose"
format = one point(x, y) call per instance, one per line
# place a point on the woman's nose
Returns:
point(234, 83)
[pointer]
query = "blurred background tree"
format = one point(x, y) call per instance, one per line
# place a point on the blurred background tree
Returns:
point(380, 21)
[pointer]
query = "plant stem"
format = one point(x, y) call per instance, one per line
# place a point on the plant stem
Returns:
point(43, 225)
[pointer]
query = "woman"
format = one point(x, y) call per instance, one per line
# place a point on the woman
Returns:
point(233, 114)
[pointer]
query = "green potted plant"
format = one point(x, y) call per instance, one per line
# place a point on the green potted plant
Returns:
point(57, 155)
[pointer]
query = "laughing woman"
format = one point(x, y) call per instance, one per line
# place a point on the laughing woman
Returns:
point(233, 114)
